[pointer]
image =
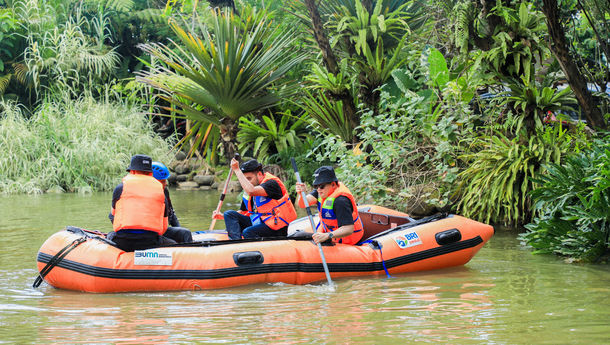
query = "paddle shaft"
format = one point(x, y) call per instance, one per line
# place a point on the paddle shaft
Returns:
point(313, 225)
point(224, 192)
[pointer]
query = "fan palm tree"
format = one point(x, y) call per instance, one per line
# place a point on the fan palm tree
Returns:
point(234, 69)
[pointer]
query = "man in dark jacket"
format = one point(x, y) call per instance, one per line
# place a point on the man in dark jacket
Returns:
point(139, 213)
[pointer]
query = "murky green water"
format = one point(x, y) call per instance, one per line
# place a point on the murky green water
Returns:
point(504, 295)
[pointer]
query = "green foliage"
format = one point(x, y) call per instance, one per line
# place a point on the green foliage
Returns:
point(395, 164)
point(439, 72)
point(500, 172)
point(76, 145)
point(510, 38)
point(66, 57)
point(321, 79)
point(329, 116)
point(373, 40)
point(227, 74)
point(538, 101)
point(572, 200)
point(266, 137)
point(368, 43)
point(364, 28)
point(51, 50)
point(302, 156)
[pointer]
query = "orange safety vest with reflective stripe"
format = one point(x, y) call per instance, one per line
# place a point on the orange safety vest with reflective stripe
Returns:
point(276, 214)
point(141, 205)
point(328, 218)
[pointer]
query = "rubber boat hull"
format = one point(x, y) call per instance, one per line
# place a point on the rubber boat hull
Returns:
point(95, 266)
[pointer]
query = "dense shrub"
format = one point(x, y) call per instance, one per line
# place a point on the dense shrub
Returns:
point(76, 145)
point(573, 201)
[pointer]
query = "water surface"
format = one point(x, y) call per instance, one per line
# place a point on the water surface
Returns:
point(504, 295)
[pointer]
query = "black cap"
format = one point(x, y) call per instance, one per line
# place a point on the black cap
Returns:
point(140, 163)
point(251, 165)
point(324, 174)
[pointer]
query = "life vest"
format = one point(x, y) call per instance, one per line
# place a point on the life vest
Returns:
point(141, 205)
point(276, 214)
point(328, 218)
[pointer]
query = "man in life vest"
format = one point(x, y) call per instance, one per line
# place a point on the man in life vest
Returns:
point(266, 209)
point(339, 219)
point(174, 230)
point(139, 211)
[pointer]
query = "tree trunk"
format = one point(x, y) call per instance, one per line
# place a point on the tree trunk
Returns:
point(228, 135)
point(330, 61)
point(577, 81)
point(318, 32)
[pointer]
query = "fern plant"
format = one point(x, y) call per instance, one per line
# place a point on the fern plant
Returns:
point(266, 137)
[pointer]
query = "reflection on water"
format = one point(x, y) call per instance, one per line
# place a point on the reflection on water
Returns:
point(503, 296)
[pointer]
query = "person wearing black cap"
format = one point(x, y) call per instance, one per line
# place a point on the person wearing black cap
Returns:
point(337, 208)
point(139, 213)
point(266, 209)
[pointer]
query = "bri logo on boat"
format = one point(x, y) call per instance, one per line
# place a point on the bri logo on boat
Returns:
point(408, 240)
point(152, 257)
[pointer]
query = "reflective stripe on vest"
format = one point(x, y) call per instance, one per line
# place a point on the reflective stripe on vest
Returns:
point(276, 214)
point(329, 218)
point(141, 205)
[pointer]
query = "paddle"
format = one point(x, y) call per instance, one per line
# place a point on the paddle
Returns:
point(313, 225)
point(224, 192)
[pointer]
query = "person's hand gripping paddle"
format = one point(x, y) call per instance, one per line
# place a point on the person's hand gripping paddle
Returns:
point(222, 196)
point(313, 225)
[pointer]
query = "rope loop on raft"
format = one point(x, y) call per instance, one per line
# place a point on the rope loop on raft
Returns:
point(57, 259)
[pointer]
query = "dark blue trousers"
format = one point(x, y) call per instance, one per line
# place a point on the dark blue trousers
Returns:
point(239, 225)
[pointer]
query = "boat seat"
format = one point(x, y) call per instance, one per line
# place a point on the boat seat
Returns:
point(374, 223)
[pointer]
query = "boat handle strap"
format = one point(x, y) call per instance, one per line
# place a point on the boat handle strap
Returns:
point(57, 259)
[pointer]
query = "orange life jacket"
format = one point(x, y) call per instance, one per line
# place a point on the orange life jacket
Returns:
point(328, 218)
point(276, 214)
point(141, 205)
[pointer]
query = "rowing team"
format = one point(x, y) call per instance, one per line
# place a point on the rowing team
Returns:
point(142, 215)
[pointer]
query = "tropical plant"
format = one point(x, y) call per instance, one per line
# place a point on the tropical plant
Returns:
point(226, 75)
point(329, 116)
point(361, 44)
point(572, 201)
point(509, 35)
point(266, 137)
point(501, 170)
point(534, 102)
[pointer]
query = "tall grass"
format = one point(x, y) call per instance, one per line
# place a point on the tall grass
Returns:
point(77, 145)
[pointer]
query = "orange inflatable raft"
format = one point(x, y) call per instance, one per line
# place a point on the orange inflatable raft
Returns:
point(80, 260)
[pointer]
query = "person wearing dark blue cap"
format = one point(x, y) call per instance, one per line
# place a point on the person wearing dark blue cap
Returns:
point(339, 218)
point(139, 213)
point(266, 208)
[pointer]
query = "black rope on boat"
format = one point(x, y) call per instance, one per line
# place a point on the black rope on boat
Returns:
point(57, 259)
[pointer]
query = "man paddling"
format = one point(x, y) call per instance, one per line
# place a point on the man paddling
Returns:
point(337, 208)
point(139, 213)
point(266, 209)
